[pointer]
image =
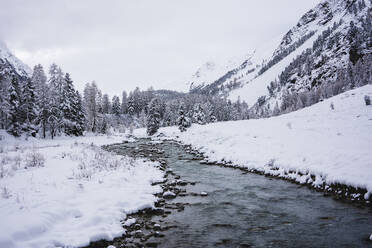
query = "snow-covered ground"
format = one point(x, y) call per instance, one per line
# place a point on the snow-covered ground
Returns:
point(333, 144)
point(79, 194)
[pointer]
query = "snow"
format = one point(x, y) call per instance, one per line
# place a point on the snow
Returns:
point(168, 194)
point(20, 67)
point(80, 194)
point(213, 70)
point(258, 86)
point(334, 145)
point(254, 85)
point(130, 222)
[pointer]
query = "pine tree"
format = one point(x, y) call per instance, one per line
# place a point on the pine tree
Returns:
point(91, 106)
point(39, 79)
point(153, 117)
point(79, 115)
point(124, 103)
point(199, 116)
point(168, 119)
point(29, 108)
point(14, 127)
point(56, 91)
point(183, 121)
point(131, 108)
point(5, 80)
point(106, 104)
point(67, 105)
point(104, 126)
point(116, 109)
point(54, 121)
point(276, 110)
point(99, 101)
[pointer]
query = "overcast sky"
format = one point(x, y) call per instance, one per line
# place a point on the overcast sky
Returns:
point(122, 44)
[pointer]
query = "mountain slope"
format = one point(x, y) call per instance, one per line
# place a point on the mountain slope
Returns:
point(7, 58)
point(315, 62)
point(208, 72)
point(325, 40)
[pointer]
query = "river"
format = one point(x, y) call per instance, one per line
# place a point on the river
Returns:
point(249, 210)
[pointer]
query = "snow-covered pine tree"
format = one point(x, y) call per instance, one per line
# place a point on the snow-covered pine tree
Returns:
point(213, 119)
point(208, 109)
point(70, 108)
point(276, 110)
point(131, 109)
point(153, 117)
point(79, 115)
point(169, 118)
point(91, 106)
point(137, 101)
point(116, 108)
point(39, 79)
point(5, 80)
point(56, 91)
point(66, 106)
point(13, 102)
point(124, 103)
point(106, 104)
point(142, 119)
point(104, 125)
point(29, 108)
point(183, 121)
point(99, 101)
point(199, 116)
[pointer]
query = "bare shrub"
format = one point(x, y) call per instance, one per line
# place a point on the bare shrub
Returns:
point(2, 171)
point(367, 100)
point(271, 163)
point(332, 106)
point(5, 193)
point(5, 159)
point(35, 159)
point(17, 161)
point(84, 172)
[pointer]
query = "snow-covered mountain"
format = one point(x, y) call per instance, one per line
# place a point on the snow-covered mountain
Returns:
point(7, 57)
point(208, 72)
point(327, 39)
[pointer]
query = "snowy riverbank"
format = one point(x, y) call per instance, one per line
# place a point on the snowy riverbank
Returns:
point(318, 145)
point(68, 192)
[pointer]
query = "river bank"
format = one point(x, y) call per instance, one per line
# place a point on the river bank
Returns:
point(68, 192)
point(238, 208)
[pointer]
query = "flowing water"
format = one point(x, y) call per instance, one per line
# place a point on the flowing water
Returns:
point(249, 210)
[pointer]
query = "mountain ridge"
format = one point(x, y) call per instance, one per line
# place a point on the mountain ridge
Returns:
point(320, 40)
point(9, 58)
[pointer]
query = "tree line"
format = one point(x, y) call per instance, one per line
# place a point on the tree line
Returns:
point(39, 105)
point(156, 108)
point(48, 105)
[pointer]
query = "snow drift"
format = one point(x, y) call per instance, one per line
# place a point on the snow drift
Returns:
point(75, 194)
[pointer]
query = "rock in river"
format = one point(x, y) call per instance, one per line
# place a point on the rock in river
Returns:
point(169, 195)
